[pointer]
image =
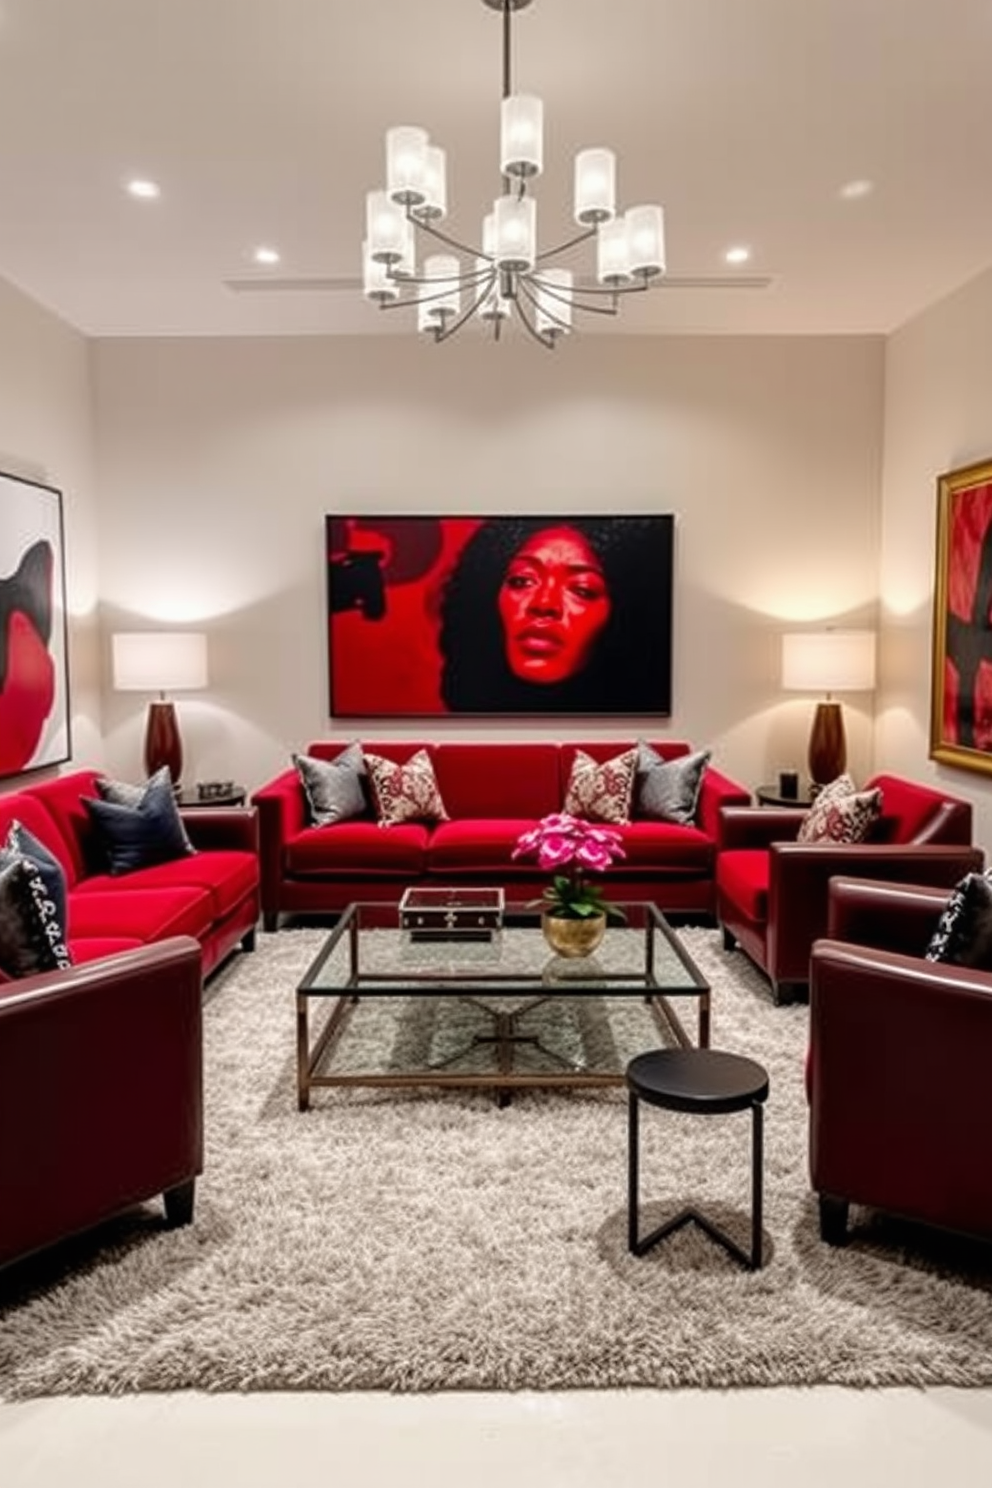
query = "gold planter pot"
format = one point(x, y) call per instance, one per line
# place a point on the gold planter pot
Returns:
point(573, 937)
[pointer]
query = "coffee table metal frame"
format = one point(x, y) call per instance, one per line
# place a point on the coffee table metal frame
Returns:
point(469, 984)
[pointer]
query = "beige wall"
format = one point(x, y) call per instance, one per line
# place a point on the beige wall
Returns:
point(46, 434)
point(219, 458)
point(938, 417)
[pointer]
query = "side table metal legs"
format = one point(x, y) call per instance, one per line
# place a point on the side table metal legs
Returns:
point(638, 1246)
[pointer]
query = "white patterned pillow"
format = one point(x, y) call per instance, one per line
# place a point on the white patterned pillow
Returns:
point(405, 792)
point(841, 813)
point(601, 791)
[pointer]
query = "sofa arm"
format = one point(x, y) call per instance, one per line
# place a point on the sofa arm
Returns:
point(888, 916)
point(281, 815)
point(757, 826)
point(715, 792)
point(898, 1084)
point(799, 877)
point(230, 827)
point(101, 1091)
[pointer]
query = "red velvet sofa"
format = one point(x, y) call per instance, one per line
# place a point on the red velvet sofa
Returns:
point(211, 895)
point(898, 1069)
point(492, 792)
point(101, 1093)
point(772, 890)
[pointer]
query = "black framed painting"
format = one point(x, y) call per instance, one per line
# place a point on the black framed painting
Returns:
point(34, 674)
point(555, 615)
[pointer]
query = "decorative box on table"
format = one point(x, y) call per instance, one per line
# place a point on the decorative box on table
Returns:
point(451, 914)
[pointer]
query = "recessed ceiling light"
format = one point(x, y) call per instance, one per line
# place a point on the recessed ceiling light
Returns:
point(854, 190)
point(147, 190)
point(737, 255)
point(266, 256)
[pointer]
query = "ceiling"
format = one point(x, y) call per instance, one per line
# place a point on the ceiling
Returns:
point(262, 121)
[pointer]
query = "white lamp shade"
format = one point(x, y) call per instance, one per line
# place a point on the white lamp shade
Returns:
point(554, 302)
point(385, 228)
point(521, 139)
point(595, 186)
point(646, 240)
point(434, 207)
point(406, 164)
point(829, 661)
point(612, 252)
point(159, 661)
point(442, 269)
point(515, 220)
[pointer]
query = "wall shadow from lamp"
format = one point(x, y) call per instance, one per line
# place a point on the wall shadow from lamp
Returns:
point(828, 661)
point(160, 661)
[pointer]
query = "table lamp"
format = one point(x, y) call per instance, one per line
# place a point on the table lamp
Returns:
point(828, 661)
point(160, 661)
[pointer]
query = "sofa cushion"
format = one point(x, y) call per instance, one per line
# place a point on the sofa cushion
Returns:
point(668, 790)
point(32, 938)
point(407, 792)
point(227, 875)
point(21, 806)
point(480, 845)
point(840, 813)
point(665, 848)
point(62, 799)
point(600, 791)
point(513, 779)
point(743, 875)
point(963, 935)
point(333, 788)
point(137, 836)
point(357, 847)
point(907, 808)
point(142, 914)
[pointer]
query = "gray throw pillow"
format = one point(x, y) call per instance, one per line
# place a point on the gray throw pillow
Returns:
point(668, 790)
point(963, 936)
point(333, 788)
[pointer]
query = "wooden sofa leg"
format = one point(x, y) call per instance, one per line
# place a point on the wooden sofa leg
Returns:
point(270, 921)
point(833, 1220)
point(179, 1204)
point(248, 940)
point(729, 943)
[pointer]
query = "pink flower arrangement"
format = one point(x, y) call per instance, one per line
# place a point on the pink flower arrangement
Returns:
point(569, 848)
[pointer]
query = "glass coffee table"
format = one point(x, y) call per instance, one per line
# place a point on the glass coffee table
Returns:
point(503, 1013)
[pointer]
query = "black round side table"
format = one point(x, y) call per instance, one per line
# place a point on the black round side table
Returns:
point(706, 1082)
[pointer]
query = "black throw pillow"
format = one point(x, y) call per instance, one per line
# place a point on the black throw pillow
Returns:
point(20, 843)
point(123, 793)
point(32, 938)
point(963, 936)
point(140, 836)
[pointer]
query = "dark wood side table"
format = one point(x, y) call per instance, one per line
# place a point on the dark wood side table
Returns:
point(769, 795)
point(236, 796)
point(706, 1082)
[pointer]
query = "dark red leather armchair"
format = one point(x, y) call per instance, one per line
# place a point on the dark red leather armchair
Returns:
point(771, 890)
point(101, 1093)
point(898, 1080)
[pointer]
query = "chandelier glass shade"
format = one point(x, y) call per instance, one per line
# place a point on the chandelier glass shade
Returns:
point(506, 274)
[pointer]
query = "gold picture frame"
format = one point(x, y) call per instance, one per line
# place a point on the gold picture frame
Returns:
point(961, 683)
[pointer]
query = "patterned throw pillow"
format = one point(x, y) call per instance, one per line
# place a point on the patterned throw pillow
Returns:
point(841, 813)
point(32, 937)
point(405, 792)
point(601, 791)
point(963, 936)
point(668, 790)
point(333, 788)
point(21, 843)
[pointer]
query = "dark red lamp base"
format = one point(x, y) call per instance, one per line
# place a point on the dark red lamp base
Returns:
point(827, 744)
point(163, 745)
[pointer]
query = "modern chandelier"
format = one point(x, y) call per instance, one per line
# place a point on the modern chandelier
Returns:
point(508, 275)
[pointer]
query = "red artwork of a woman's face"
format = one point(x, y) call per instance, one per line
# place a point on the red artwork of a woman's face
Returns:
point(553, 603)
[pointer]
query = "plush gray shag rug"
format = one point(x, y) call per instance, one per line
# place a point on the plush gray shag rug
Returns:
point(420, 1241)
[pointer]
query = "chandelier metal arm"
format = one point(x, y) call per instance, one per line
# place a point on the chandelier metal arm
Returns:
point(548, 291)
point(529, 293)
point(582, 237)
point(547, 342)
point(466, 315)
point(442, 237)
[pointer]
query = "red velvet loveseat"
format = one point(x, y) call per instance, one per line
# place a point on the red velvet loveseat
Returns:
point(211, 895)
point(772, 890)
point(492, 792)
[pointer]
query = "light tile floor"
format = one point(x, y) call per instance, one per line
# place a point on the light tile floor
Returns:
point(938, 1438)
